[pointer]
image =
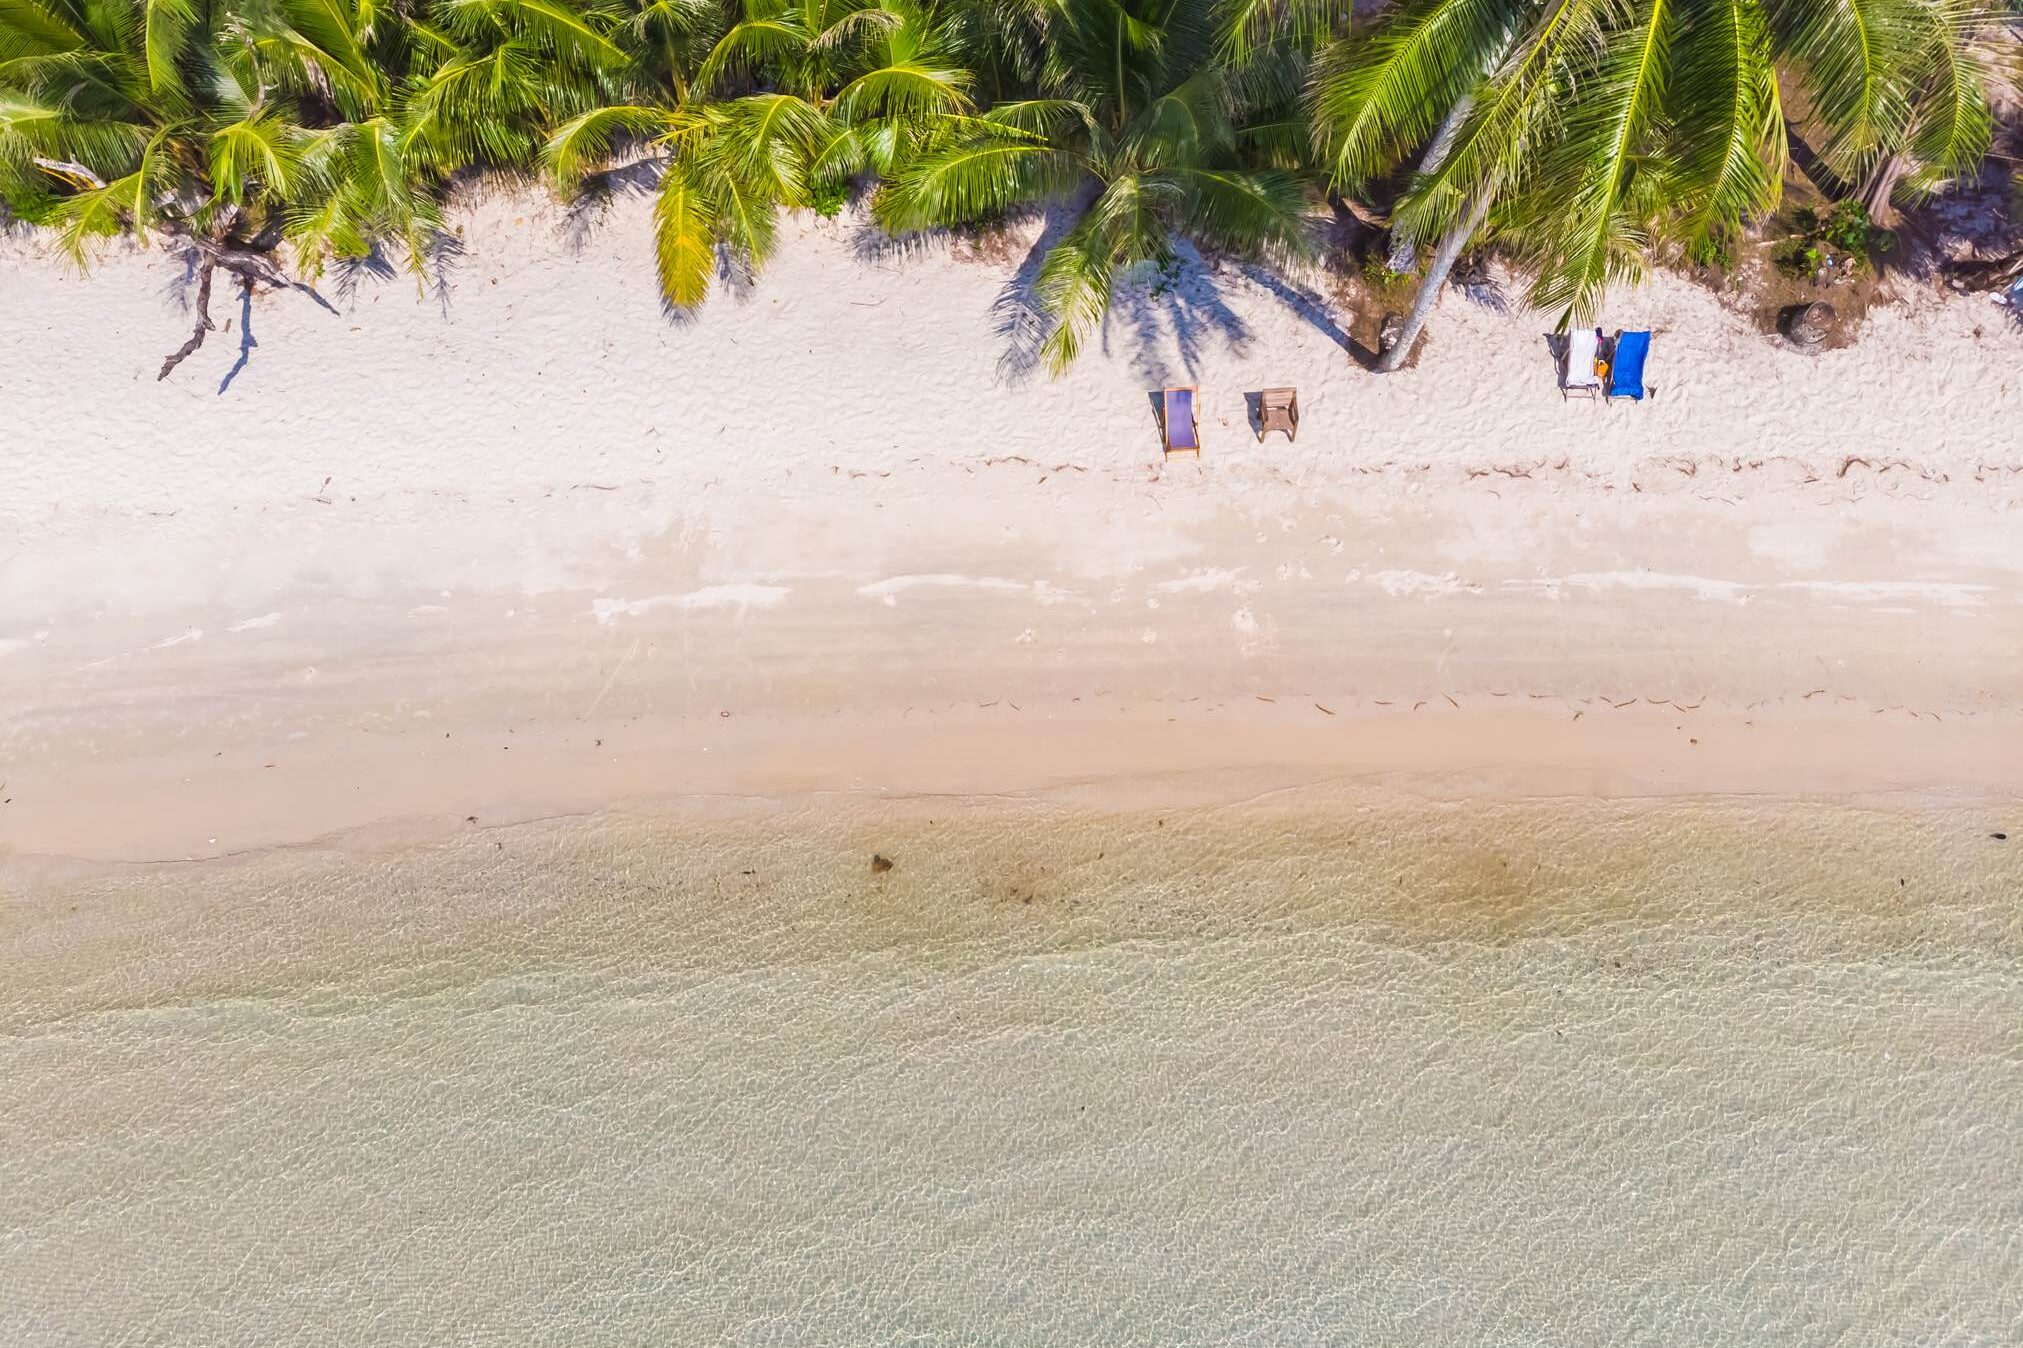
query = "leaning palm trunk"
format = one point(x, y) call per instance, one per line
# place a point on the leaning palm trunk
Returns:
point(1444, 258)
point(1879, 192)
point(1404, 254)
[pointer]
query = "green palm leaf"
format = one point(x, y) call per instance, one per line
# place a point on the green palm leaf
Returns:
point(1590, 237)
point(965, 182)
point(580, 144)
point(1954, 124)
point(1258, 215)
point(1852, 55)
point(167, 25)
point(906, 90)
point(1073, 286)
point(684, 244)
point(250, 155)
point(1513, 116)
point(1376, 100)
point(34, 27)
point(1724, 103)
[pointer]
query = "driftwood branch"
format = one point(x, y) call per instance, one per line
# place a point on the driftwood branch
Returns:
point(64, 168)
point(1986, 273)
point(204, 323)
point(242, 262)
point(1361, 213)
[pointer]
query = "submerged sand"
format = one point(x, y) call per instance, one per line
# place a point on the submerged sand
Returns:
point(1324, 1070)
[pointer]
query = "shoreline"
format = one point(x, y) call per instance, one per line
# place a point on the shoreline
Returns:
point(420, 791)
point(810, 542)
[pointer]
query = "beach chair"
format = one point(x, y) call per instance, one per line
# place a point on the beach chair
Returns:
point(1626, 371)
point(1278, 410)
point(1178, 422)
point(1582, 346)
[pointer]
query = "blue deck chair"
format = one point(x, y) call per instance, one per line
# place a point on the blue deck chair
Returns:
point(1626, 371)
point(1181, 426)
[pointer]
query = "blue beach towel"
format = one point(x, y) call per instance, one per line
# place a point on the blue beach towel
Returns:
point(1626, 371)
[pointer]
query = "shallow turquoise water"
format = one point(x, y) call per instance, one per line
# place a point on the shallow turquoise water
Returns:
point(1326, 1073)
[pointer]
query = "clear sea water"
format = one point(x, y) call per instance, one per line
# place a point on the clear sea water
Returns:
point(1318, 1072)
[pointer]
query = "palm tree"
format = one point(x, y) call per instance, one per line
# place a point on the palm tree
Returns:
point(492, 76)
point(1899, 89)
point(789, 101)
point(232, 130)
point(1143, 119)
point(1585, 129)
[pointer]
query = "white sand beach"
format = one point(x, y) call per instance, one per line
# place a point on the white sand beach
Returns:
point(524, 545)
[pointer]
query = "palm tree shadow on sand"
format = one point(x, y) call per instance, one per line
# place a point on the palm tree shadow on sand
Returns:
point(1184, 305)
point(594, 196)
point(246, 339)
point(1015, 317)
point(1310, 305)
point(440, 258)
point(1178, 308)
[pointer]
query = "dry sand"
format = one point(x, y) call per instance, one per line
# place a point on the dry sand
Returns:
point(522, 545)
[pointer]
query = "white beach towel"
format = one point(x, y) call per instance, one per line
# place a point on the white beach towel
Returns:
point(1580, 359)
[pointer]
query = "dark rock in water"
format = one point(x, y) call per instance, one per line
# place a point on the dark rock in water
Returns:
point(879, 865)
point(1389, 331)
point(1809, 326)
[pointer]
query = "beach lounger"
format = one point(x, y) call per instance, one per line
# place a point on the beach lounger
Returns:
point(1278, 410)
point(1626, 371)
point(1181, 426)
point(1582, 346)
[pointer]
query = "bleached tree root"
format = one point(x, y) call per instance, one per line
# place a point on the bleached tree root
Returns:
point(204, 323)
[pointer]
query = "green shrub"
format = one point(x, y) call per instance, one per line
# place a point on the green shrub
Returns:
point(829, 197)
point(1843, 238)
point(1377, 271)
point(1710, 250)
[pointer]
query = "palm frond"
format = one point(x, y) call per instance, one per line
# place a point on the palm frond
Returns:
point(167, 24)
point(35, 27)
point(1255, 215)
point(748, 46)
point(1593, 238)
point(583, 142)
point(1186, 124)
point(979, 177)
point(1378, 96)
point(1249, 28)
point(1727, 115)
point(684, 244)
point(1851, 57)
point(907, 89)
point(1954, 123)
point(1073, 287)
point(251, 156)
point(1512, 117)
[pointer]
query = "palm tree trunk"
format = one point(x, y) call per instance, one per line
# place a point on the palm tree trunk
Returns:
point(1444, 258)
point(1404, 246)
point(1881, 186)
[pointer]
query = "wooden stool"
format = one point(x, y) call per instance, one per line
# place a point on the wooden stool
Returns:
point(1278, 410)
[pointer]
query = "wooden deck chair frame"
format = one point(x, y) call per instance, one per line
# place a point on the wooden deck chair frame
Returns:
point(1278, 410)
point(1193, 417)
